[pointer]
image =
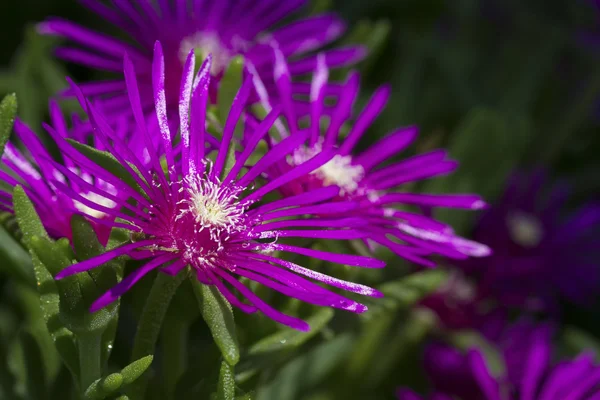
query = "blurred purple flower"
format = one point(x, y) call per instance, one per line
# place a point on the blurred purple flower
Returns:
point(538, 252)
point(199, 213)
point(223, 28)
point(43, 180)
point(367, 177)
point(468, 377)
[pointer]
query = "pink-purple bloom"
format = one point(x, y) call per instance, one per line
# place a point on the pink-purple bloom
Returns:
point(44, 180)
point(540, 248)
point(225, 29)
point(394, 216)
point(206, 213)
point(468, 376)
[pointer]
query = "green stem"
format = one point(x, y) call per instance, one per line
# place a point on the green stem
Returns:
point(90, 353)
point(150, 323)
point(174, 340)
point(572, 119)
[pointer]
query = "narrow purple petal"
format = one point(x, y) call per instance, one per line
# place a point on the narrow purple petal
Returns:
point(101, 259)
point(127, 283)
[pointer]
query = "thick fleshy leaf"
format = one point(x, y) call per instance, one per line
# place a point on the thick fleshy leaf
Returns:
point(76, 292)
point(218, 315)
point(226, 387)
point(109, 385)
point(86, 245)
point(104, 387)
point(28, 219)
point(50, 305)
point(8, 110)
point(134, 370)
point(288, 338)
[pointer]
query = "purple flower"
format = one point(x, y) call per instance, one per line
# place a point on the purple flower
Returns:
point(367, 176)
point(468, 377)
point(224, 29)
point(206, 214)
point(48, 183)
point(539, 249)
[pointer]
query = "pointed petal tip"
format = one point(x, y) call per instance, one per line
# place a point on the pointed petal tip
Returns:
point(44, 28)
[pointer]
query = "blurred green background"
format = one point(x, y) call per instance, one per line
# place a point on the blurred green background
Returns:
point(503, 84)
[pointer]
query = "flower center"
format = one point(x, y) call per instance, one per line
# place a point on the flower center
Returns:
point(337, 171)
point(525, 229)
point(97, 199)
point(214, 207)
point(205, 44)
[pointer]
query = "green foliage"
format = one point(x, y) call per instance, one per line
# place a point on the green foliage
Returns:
point(8, 111)
point(110, 385)
point(218, 315)
point(226, 388)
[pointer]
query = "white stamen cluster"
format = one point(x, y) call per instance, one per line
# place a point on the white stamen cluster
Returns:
point(525, 229)
point(214, 207)
point(97, 199)
point(206, 43)
point(337, 171)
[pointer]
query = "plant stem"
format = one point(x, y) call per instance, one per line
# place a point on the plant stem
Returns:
point(150, 323)
point(90, 352)
point(174, 347)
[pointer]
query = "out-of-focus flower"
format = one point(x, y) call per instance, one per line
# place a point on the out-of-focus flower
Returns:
point(224, 28)
point(468, 377)
point(200, 213)
point(539, 251)
point(50, 185)
point(368, 177)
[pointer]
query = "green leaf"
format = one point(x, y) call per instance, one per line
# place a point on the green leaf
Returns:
point(467, 340)
point(136, 369)
point(229, 161)
point(228, 88)
point(488, 145)
point(86, 245)
point(76, 292)
point(108, 162)
point(8, 110)
point(104, 387)
point(413, 288)
point(50, 305)
point(289, 338)
point(373, 35)
point(226, 388)
point(218, 315)
point(28, 219)
point(577, 341)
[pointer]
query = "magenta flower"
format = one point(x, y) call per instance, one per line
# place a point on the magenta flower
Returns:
point(222, 28)
point(366, 176)
point(533, 236)
point(50, 186)
point(208, 217)
point(468, 377)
